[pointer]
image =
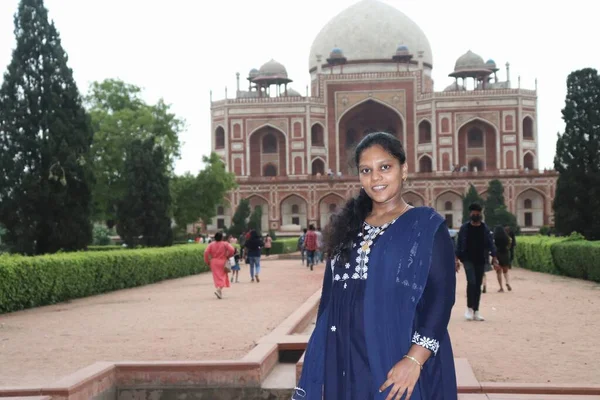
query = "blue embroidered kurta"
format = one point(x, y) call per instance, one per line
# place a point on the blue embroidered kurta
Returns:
point(397, 289)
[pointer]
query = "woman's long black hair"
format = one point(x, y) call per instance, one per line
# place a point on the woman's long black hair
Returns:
point(345, 225)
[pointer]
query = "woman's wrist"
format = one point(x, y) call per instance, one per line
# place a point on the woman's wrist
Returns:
point(414, 361)
point(420, 353)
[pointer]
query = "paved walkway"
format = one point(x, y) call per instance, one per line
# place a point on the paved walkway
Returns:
point(179, 319)
point(545, 330)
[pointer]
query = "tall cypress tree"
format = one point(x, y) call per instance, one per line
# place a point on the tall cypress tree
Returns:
point(143, 214)
point(471, 197)
point(577, 199)
point(239, 221)
point(496, 212)
point(45, 136)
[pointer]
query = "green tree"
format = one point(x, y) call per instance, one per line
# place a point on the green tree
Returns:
point(119, 116)
point(577, 200)
point(255, 221)
point(186, 195)
point(214, 183)
point(143, 213)
point(197, 197)
point(495, 210)
point(45, 137)
point(240, 219)
point(471, 197)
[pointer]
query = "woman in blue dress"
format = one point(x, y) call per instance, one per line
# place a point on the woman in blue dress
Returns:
point(388, 293)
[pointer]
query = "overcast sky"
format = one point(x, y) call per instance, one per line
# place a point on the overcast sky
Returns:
point(181, 49)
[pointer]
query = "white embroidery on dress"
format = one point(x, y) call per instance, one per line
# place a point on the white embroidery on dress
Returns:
point(300, 392)
point(364, 243)
point(426, 342)
point(333, 328)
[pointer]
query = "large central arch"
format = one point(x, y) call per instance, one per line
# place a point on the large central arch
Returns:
point(362, 119)
point(478, 145)
point(267, 153)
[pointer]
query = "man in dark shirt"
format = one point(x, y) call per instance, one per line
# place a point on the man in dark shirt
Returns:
point(473, 248)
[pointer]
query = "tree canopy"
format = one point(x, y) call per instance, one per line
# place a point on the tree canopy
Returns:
point(143, 213)
point(577, 199)
point(45, 137)
point(119, 116)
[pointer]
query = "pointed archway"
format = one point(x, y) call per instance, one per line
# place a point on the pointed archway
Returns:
point(362, 119)
point(268, 149)
point(478, 145)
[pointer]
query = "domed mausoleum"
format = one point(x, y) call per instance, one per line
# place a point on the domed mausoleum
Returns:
point(370, 70)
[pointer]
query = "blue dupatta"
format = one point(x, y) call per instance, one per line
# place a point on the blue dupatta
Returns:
point(394, 310)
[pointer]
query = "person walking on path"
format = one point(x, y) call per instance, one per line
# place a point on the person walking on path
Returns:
point(235, 268)
point(268, 244)
point(311, 244)
point(301, 245)
point(513, 243)
point(254, 244)
point(387, 295)
point(216, 256)
point(503, 244)
point(473, 248)
point(319, 253)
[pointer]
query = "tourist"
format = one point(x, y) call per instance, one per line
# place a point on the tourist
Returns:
point(513, 243)
point(473, 248)
point(319, 253)
point(216, 255)
point(254, 244)
point(242, 242)
point(268, 244)
point(235, 267)
point(503, 244)
point(301, 245)
point(390, 337)
point(311, 244)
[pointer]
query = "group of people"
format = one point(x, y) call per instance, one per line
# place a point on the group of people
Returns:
point(223, 257)
point(475, 245)
point(310, 245)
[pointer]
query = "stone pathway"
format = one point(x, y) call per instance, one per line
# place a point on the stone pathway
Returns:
point(179, 319)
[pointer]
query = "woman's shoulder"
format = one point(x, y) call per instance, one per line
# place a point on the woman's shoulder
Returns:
point(427, 215)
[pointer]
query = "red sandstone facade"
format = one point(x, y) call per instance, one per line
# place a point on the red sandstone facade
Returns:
point(292, 154)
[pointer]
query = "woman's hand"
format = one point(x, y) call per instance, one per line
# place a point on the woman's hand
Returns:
point(402, 377)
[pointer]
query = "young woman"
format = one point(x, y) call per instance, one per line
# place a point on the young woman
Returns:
point(388, 292)
point(254, 244)
point(503, 244)
point(216, 255)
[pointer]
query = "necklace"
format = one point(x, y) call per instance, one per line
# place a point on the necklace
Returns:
point(369, 239)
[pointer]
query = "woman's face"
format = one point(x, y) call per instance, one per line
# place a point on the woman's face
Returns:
point(381, 174)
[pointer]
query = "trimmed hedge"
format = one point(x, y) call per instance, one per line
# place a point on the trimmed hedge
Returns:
point(105, 248)
point(284, 246)
point(568, 256)
point(27, 282)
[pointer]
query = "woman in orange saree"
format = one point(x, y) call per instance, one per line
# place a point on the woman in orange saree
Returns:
point(216, 255)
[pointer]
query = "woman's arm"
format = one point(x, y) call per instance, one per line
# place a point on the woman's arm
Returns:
point(438, 298)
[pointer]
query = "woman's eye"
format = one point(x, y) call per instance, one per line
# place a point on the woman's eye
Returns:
point(385, 167)
point(364, 171)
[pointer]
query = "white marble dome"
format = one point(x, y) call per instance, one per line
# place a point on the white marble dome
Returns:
point(370, 30)
point(469, 61)
point(273, 68)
